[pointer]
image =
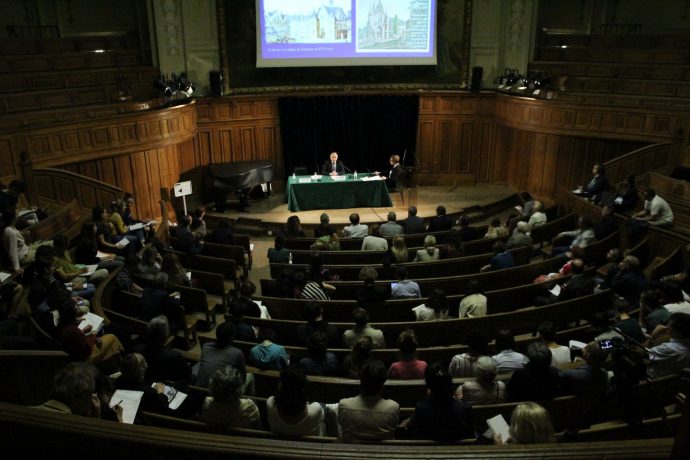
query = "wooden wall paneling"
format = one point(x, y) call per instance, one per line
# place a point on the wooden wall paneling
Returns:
point(446, 136)
point(483, 132)
point(188, 156)
point(248, 144)
point(9, 166)
point(466, 155)
point(426, 145)
point(226, 152)
point(500, 154)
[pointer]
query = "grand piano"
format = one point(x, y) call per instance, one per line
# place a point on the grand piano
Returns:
point(215, 181)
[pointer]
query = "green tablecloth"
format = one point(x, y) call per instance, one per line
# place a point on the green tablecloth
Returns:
point(330, 194)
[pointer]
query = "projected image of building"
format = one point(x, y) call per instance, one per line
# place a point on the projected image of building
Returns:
point(392, 25)
point(322, 22)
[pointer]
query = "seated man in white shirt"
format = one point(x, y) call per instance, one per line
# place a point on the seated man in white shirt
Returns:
point(355, 229)
point(404, 288)
point(656, 211)
point(507, 359)
point(673, 356)
point(374, 242)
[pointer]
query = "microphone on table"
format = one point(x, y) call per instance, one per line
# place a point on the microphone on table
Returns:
point(346, 168)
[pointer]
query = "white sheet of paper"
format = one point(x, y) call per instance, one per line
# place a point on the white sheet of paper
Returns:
point(556, 290)
point(123, 242)
point(576, 344)
point(304, 180)
point(129, 400)
point(4, 276)
point(102, 255)
point(251, 247)
point(91, 269)
point(94, 320)
point(175, 398)
point(499, 425)
point(137, 226)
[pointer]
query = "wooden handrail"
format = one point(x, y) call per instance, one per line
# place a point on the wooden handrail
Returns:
point(618, 169)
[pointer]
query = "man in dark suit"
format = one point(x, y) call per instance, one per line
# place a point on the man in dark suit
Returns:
point(440, 222)
point(394, 175)
point(413, 224)
point(333, 167)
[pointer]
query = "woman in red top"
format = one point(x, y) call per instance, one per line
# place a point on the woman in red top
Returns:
point(409, 367)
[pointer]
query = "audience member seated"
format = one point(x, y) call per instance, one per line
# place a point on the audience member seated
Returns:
point(530, 423)
point(409, 367)
point(268, 355)
point(219, 354)
point(319, 361)
point(355, 229)
point(104, 235)
point(629, 282)
point(430, 251)
point(485, 389)
point(164, 363)
point(278, 254)
point(440, 417)
point(120, 229)
point(626, 195)
point(673, 299)
point(404, 288)
point(597, 185)
point(187, 241)
point(465, 364)
point(501, 259)
point(176, 273)
point(293, 228)
point(467, 233)
point(198, 225)
point(519, 238)
point(242, 302)
point(473, 304)
point(413, 223)
point(673, 356)
point(581, 237)
point(652, 312)
point(150, 265)
point(133, 378)
point(656, 212)
point(74, 391)
point(368, 417)
point(66, 270)
point(289, 413)
point(397, 254)
point(589, 380)
point(371, 293)
point(313, 312)
point(614, 258)
point(607, 225)
point(440, 222)
point(579, 285)
point(391, 227)
point(86, 250)
point(628, 325)
point(452, 247)
point(324, 228)
point(435, 308)
point(374, 242)
point(362, 329)
point(83, 344)
point(496, 229)
point(538, 380)
point(560, 354)
point(315, 287)
point(222, 234)
point(225, 408)
point(19, 253)
point(538, 217)
point(359, 355)
point(44, 285)
point(507, 359)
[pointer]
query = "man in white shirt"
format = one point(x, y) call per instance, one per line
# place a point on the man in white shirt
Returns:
point(355, 229)
point(538, 217)
point(507, 359)
point(673, 356)
point(656, 211)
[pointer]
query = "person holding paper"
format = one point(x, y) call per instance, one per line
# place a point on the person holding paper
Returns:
point(66, 270)
point(530, 423)
point(122, 230)
point(133, 378)
point(86, 251)
point(333, 167)
point(104, 234)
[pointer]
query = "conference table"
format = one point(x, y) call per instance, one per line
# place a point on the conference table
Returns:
point(324, 192)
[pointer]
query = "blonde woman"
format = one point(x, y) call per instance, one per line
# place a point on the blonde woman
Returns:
point(430, 251)
point(399, 250)
point(530, 423)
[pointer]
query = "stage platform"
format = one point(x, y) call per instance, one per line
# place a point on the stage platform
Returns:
point(269, 214)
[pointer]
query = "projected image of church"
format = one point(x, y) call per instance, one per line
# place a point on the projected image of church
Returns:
point(392, 25)
point(308, 21)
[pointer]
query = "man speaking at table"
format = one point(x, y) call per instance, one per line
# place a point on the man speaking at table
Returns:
point(333, 167)
point(393, 175)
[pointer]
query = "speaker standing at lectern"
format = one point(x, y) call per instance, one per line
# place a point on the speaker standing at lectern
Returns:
point(333, 167)
point(393, 175)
